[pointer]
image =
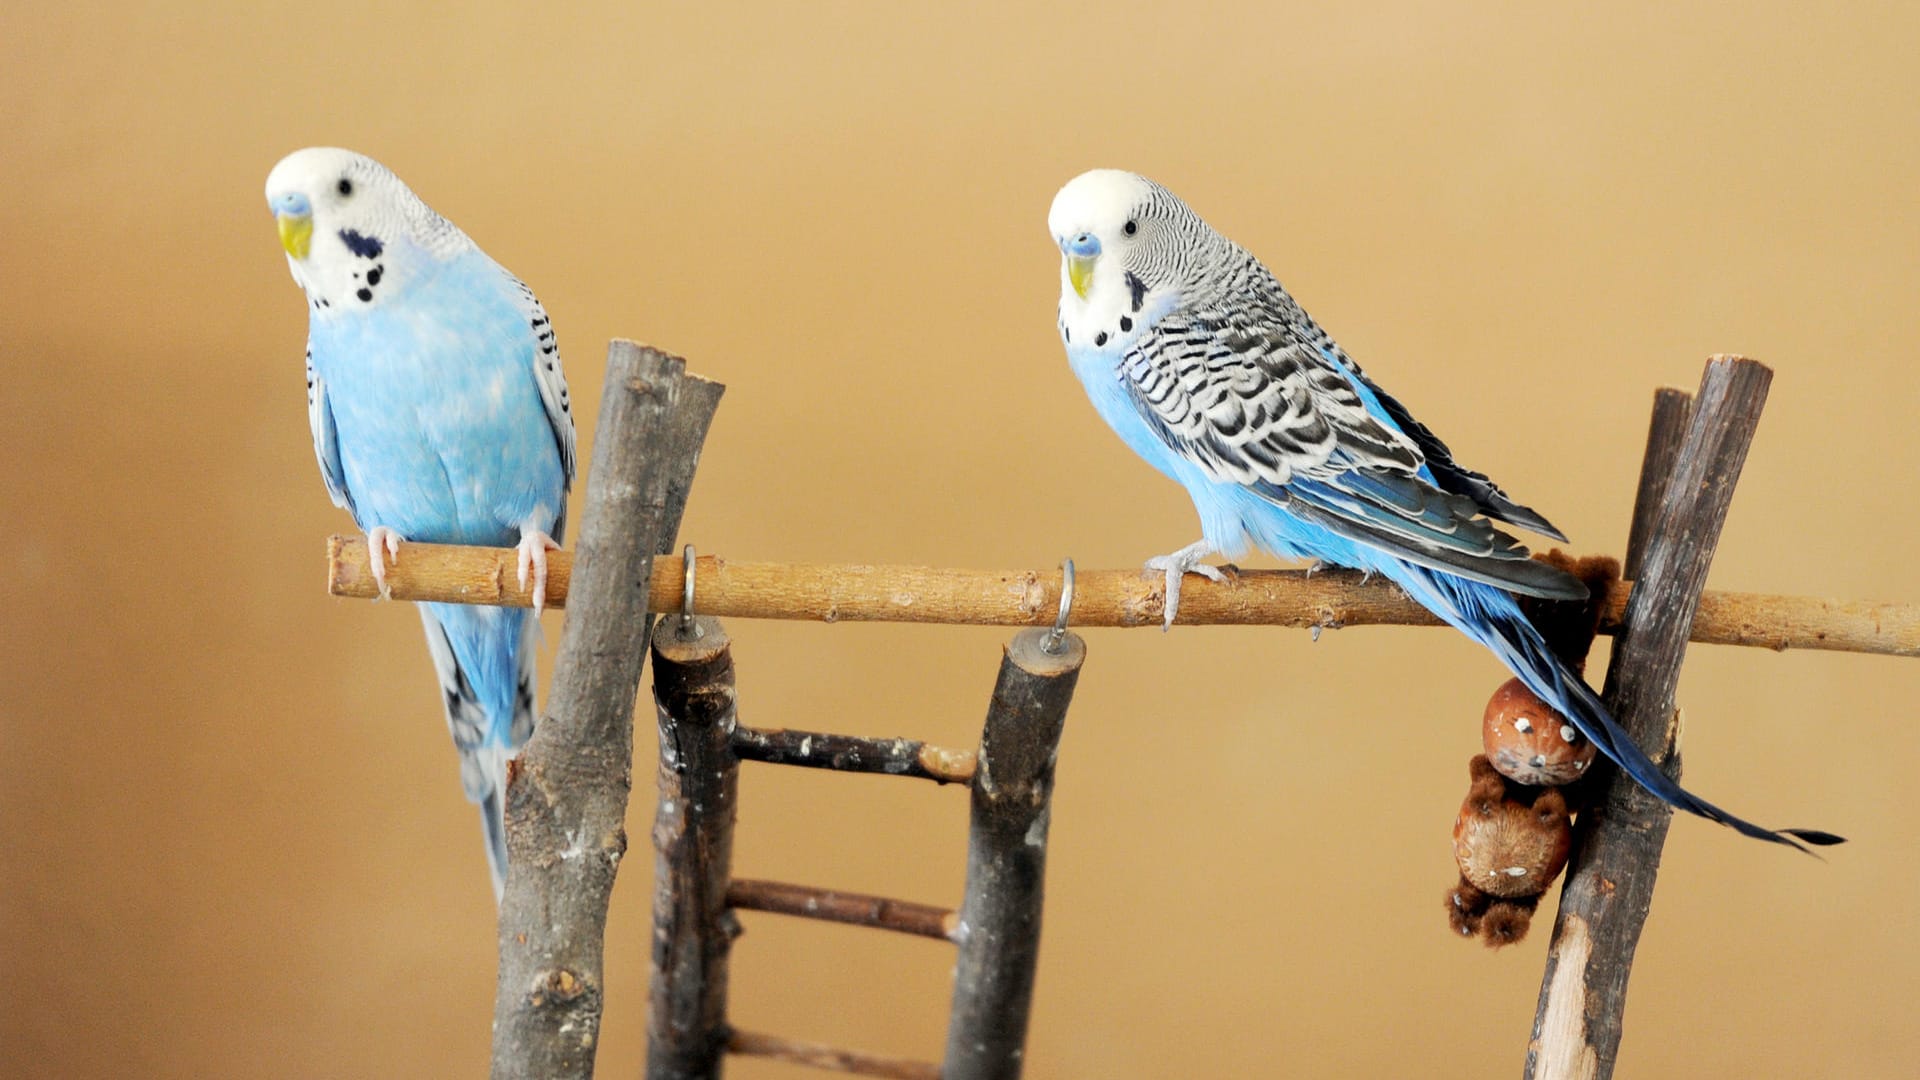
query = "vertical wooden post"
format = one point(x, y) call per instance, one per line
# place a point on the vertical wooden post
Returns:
point(693, 929)
point(567, 792)
point(1609, 884)
point(999, 927)
point(1666, 432)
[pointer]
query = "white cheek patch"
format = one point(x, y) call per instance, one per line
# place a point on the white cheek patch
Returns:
point(1118, 307)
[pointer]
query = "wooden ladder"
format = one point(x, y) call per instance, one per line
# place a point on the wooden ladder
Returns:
point(996, 929)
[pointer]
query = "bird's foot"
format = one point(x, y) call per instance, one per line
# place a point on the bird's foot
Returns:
point(532, 554)
point(1178, 565)
point(383, 544)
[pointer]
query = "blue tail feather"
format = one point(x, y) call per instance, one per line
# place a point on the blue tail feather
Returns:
point(1493, 618)
point(493, 827)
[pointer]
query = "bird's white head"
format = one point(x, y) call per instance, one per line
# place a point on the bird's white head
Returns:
point(353, 232)
point(1127, 249)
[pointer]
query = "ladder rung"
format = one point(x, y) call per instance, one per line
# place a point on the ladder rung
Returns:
point(828, 1057)
point(879, 912)
point(853, 753)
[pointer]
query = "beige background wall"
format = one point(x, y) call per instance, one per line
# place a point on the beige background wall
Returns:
point(231, 838)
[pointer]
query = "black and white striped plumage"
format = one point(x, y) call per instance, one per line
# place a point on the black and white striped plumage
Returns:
point(1191, 350)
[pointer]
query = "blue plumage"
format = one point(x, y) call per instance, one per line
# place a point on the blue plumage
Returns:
point(442, 434)
point(440, 414)
point(1204, 366)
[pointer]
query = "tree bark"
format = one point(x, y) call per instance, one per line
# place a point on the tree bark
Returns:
point(829, 1057)
point(1666, 432)
point(693, 842)
point(1617, 843)
point(999, 932)
point(854, 909)
point(854, 753)
point(567, 792)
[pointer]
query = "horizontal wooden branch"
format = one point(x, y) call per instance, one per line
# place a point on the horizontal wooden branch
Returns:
point(854, 753)
point(861, 593)
point(827, 1057)
point(854, 909)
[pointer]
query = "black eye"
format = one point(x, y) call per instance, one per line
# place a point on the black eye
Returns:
point(1132, 227)
point(345, 187)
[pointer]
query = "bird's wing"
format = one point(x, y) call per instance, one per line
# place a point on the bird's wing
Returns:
point(1248, 401)
point(1252, 405)
point(1449, 474)
point(326, 442)
point(547, 373)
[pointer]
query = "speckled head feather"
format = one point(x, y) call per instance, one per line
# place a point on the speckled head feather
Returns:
point(360, 228)
point(1142, 249)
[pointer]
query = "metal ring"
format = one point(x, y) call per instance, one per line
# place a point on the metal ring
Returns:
point(686, 590)
point(1059, 632)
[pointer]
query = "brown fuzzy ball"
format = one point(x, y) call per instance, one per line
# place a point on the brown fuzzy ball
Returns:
point(1569, 625)
point(1496, 922)
point(1506, 921)
point(1509, 840)
point(1465, 906)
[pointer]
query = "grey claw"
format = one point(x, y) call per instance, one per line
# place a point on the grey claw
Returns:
point(1177, 565)
point(1172, 605)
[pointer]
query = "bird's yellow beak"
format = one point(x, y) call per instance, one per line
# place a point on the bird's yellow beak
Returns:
point(1079, 273)
point(296, 233)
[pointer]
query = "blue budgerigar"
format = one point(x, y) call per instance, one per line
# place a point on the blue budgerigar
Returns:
point(440, 414)
point(1204, 365)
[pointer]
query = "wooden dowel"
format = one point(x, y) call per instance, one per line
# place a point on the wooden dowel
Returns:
point(1125, 598)
point(854, 753)
point(999, 932)
point(1672, 412)
point(827, 1057)
point(854, 909)
point(1609, 881)
point(693, 930)
point(567, 792)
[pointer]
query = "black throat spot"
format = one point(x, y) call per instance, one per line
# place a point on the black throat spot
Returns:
point(367, 247)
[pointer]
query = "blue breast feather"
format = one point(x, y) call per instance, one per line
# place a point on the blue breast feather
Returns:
point(441, 431)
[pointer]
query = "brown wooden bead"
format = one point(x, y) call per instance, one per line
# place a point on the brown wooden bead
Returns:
point(1530, 742)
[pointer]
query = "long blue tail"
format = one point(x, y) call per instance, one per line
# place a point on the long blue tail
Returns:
point(1493, 618)
point(484, 660)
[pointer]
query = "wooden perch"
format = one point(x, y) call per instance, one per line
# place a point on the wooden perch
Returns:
point(860, 593)
point(854, 909)
point(693, 842)
point(854, 753)
point(999, 931)
point(567, 792)
point(1609, 884)
point(827, 1057)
